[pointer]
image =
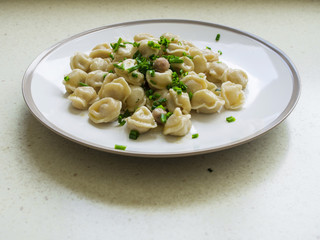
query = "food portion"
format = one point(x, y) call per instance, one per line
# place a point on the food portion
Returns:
point(153, 81)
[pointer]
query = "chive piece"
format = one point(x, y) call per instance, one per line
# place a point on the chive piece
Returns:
point(218, 37)
point(190, 95)
point(196, 135)
point(66, 78)
point(134, 134)
point(118, 66)
point(135, 75)
point(152, 73)
point(154, 45)
point(219, 51)
point(116, 46)
point(104, 76)
point(112, 57)
point(163, 118)
point(160, 106)
point(111, 71)
point(83, 84)
point(208, 47)
point(230, 119)
point(218, 61)
point(135, 44)
point(153, 82)
point(120, 147)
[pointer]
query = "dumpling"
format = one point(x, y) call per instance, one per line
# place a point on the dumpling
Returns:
point(134, 77)
point(96, 78)
point(211, 86)
point(172, 37)
point(199, 61)
point(215, 71)
point(205, 101)
point(177, 49)
point(117, 89)
point(236, 76)
point(124, 52)
point(105, 110)
point(195, 82)
point(146, 50)
point(186, 66)
point(142, 120)
point(175, 100)
point(101, 64)
point(101, 51)
point(233, 95)
point(136, 99)
point(158, 80)
point(144, 36)
point(177, 124)
point(80, 61)
point(73, 79)
point(82, 97)
point(210, 55)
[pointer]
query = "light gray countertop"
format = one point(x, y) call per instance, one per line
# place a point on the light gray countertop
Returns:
point(52, 188)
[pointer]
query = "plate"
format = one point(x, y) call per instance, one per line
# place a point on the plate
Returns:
point(271, 94)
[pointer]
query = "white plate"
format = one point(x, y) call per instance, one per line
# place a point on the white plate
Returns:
point(272, 92)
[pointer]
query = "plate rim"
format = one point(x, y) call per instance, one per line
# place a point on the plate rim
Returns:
point(27, 79)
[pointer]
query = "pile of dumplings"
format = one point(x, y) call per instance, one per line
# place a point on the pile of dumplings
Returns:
point(107, 83)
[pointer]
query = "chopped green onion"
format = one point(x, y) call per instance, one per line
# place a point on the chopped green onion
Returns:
point(116, 46)
point(134, 134)
point(152, 73)
point(219, 51)
point(83, 84)
point(218, 61)
point(112, 57)
point(196, 135)
point(118, 66)
point(153, 45)
point(111, 71)
point(135, 75)
point(190, 95)
point(218, 37)
point(158, 102)
point(104, 76)
point(163, 117)
point(160, 106)
point(230, 119)
point(120, 147)
point(135, 44)
point(132, 68)
point(66, 78)
point(208, 47)
point(164, 42)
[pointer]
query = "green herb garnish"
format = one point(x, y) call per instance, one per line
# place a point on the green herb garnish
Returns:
point(153, 82)
point(104, 76)
point(112, 57)
point(116, 45)
point(134, 134)
point(190, 95)
point(196, 135)
point(219, 51)
point(230, 119)
point(154, 45)
point(119, 66)
point(135, 75)
point(66, 78)
point(120, 147)
point(208, 47)
point(157, 103)
point(218, 37)
point(83, 84)
point(121, 117)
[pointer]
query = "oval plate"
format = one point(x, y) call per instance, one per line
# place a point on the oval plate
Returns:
point(271, 94)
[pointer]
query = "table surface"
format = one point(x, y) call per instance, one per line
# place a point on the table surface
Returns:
point(52, 188)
